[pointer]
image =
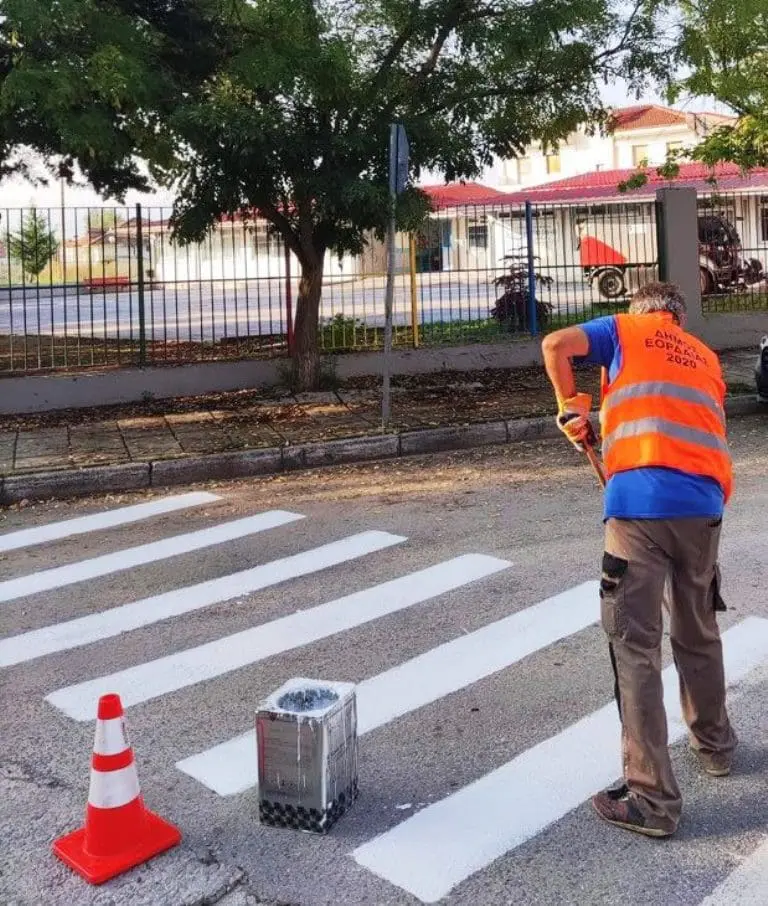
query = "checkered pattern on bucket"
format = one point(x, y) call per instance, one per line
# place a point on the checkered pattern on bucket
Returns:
point(297, 817)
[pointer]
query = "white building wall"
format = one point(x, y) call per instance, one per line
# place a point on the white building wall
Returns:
point(583, 153)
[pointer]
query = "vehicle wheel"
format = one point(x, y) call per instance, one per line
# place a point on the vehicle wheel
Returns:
point(706, 283)
point(611, 284)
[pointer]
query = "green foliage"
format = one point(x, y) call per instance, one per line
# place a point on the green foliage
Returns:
point(724, 47)
point(34, 245)
point(284, 106)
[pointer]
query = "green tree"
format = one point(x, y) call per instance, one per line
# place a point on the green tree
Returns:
point(34, 245)
point(724, 48)
point(283, 107)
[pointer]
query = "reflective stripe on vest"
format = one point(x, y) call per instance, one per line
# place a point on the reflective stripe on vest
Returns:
point(663, 388)
point(665, 427)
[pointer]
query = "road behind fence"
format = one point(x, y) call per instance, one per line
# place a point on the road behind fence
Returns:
point(92, 287)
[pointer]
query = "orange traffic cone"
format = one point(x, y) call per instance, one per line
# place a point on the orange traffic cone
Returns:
point(119, 831)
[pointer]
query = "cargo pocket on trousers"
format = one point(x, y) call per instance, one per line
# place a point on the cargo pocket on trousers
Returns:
point(717, 581)
point(612, 592)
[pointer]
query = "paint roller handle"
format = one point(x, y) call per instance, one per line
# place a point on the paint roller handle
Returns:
point(595, 463)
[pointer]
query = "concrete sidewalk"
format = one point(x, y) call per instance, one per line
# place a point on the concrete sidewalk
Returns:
point(66, 454)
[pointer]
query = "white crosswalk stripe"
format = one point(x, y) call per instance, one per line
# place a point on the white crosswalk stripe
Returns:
point(205, 662)
point(56, 531)
point(60, 576)
point(442, 845)
point(746, 886)
point(99, 626)
point(451, 840)
point(230, 767)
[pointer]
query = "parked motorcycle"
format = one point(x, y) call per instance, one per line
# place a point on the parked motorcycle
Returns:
point(512, 308)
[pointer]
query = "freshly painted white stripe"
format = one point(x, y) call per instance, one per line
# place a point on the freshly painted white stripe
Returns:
point(745, 886)
point(195, 665)
point(111, 738)
point(60, 576)
point(98, 626)
point(55, 531)
point(111, 789)
point(230, 767)
point(439, 847)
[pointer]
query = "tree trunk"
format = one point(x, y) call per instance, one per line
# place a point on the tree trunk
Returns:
point(306, 351)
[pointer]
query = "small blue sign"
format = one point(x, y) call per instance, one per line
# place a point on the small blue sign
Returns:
point(399, 159)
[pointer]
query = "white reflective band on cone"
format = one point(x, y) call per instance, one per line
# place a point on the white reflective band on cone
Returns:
point(111, 737)
point(112, 789)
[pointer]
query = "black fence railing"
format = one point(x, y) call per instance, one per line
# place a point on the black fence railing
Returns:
point(733, 251)
point(83, 288)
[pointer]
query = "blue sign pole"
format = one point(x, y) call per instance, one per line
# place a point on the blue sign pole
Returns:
point(399, 155)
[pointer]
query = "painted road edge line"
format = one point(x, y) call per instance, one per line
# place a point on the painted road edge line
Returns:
point(230, 767)
point(204, 662)
point(96, 522)
point(155, 551)
point(439, 847)
point(127, 617)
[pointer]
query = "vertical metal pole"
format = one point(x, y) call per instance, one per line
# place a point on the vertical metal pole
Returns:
point(390, 294)
point(414, 293)
point(661, 241)
point(532, 320)
point(288, 298)
point(140, 278)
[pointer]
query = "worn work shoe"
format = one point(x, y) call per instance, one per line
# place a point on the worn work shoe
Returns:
point(716, 765)
point(615, 806)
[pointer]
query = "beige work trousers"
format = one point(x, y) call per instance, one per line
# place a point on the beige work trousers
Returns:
point(648, 566)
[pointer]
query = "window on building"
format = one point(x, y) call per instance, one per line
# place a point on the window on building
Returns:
point(673, 148)
point(523, 168)
point(639, 155)
point(477, 235)
point(553, 163)
point(510, 171)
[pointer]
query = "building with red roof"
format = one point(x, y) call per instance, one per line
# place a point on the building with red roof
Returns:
point(631, 135)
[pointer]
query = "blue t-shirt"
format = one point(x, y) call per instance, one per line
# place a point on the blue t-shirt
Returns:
point(649, 493)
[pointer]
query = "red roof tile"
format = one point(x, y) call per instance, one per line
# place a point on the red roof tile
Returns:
point(604, 184)
point(654, 116)
point(459, 193)
point(646, 116)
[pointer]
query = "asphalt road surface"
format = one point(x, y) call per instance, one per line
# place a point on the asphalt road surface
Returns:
point(459, 593)
point(210, 312)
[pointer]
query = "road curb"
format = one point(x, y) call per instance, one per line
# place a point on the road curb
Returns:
point(132, 476)
point(274, 460)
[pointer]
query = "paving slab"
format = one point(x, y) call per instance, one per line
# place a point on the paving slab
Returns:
point(44, 448)
point(7, 450)
point(198, 432)
point(245, 430)
point(149, 438)
point(96, 444)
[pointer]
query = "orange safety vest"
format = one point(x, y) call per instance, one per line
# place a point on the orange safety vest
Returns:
point(664, 407)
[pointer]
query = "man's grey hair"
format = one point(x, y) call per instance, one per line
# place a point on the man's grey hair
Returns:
point(659, 297)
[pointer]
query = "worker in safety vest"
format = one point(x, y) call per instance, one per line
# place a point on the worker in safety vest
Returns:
point(669, 477)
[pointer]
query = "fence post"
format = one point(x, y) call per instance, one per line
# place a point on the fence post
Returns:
point(678, 248)
point(140, 278)
point(532, 319)
point(414, 292)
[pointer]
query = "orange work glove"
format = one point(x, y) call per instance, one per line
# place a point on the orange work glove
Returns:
point(573, 421)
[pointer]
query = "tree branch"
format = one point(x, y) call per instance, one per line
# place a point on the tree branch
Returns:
point(390, 57)
point(612, 51)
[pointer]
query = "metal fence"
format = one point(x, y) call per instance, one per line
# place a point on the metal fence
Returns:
point(84, 288)
point(733, 251)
